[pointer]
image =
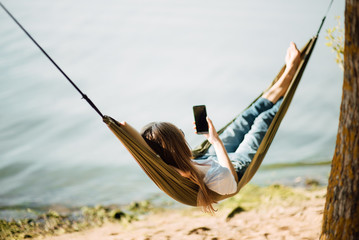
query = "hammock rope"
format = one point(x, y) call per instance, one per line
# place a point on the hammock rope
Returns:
point(325, 16)
point(164, 176)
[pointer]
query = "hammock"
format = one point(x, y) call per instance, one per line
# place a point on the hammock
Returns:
point(180, 188)
point(164, 176)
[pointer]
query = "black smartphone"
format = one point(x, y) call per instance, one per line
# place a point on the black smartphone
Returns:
point(200, 115)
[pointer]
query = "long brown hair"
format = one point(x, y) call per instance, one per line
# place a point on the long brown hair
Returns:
point(169, 143)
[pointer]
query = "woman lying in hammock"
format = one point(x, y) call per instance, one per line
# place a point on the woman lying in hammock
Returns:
point(225, 162)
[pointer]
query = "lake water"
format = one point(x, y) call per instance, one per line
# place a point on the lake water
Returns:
point(150, 60)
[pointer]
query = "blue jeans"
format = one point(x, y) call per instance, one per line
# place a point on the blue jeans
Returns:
point(243, 136)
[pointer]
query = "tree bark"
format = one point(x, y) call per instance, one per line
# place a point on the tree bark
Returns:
point(341, 212)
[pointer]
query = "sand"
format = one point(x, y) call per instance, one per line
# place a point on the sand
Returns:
point(273, 219)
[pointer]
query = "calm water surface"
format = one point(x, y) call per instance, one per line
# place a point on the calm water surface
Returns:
point(143, 61)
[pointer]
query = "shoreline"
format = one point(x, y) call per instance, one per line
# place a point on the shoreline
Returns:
point(273, 212)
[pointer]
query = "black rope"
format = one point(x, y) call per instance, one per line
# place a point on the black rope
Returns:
point(44, 52)
point(325, 16)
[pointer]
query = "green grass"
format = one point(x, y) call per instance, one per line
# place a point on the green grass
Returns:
point(252, 196)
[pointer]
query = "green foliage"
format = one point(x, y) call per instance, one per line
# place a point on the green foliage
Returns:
point(335, 40)
point(140, 207)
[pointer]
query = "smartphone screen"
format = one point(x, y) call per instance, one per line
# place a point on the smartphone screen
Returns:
point(200, 115)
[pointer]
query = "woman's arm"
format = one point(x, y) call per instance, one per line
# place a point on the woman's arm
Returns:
point(221, 152)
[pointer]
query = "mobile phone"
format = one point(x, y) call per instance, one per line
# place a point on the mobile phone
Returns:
point(200, 115)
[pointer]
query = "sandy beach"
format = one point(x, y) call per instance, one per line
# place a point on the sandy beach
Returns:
point(294, 214)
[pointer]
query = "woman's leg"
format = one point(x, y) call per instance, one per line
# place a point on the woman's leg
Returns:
point(245, 152)
point(254, 137)
point(234, 134)
point(248, 148)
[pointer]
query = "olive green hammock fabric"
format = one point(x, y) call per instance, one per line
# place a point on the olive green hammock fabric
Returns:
point(169, 180)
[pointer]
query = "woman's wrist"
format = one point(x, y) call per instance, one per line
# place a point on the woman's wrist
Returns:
point(216, 141)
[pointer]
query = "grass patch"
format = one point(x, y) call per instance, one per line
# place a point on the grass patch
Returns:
point(252, 196)
point(294, 165)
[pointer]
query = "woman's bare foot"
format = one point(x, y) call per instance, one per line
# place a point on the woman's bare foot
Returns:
point(292, 57)
point(292, 60)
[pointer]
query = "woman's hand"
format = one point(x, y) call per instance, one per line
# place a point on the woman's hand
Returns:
point(212, 135)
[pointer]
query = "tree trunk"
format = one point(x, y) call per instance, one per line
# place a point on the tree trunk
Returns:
point(341, 212)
